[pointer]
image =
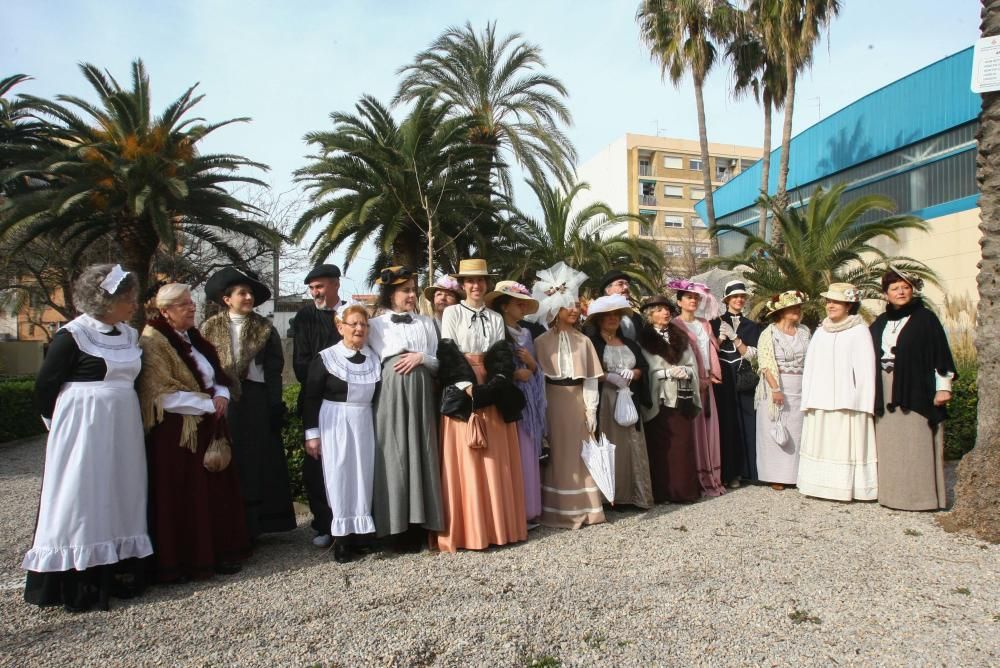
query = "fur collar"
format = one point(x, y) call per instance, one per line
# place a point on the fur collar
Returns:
point(254, 335)
point(672, 351)
point(183, 349)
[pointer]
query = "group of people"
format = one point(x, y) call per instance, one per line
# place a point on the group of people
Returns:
point(464, 428)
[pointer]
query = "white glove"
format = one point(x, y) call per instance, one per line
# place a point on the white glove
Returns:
point(627, 375)
point(616, 380)
point(679, 372)
point(726, 331)
point(591, 421)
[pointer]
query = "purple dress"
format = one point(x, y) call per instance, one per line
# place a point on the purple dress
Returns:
point(531, 427)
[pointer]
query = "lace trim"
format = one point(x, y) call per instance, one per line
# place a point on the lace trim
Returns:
point(335, 359)
point(121, 348)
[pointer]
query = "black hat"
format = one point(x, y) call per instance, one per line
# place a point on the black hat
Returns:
point(660, 300)
point(613, 276)
point(216, 285)
point(322, 271)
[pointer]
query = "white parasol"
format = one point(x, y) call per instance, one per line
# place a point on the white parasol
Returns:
point(599, 456)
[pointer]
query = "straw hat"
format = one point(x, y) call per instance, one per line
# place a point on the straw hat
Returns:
point(786, 299)
point(394, 275)
point(446, 283)
point(472, 268)
point(842, 292)
point(608, 304)
point(734, 288)
point(515, 290)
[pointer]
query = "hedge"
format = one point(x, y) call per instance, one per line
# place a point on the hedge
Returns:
point(18, 416)
point(963, 412)
point(293, 438)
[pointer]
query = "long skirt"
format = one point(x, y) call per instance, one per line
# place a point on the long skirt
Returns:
point(482, 488)
point(910, 459)
point(737, 428)
point(706, 445)
point(197, 519)
point(259, 456)
point(347, 443)
point(570, 497)
point(407, 466)
point(780, 463)
point(837, 459)
point(632, 477)
point(672, 465)
point(92, 511)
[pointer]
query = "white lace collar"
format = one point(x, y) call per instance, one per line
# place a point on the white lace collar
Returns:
point(94, 337)
point(336, 360)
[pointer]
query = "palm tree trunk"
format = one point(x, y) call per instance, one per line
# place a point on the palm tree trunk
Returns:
point(977, 491)
point(138, 257)
point(781, 196)
point(706, 168)
point(765, 163)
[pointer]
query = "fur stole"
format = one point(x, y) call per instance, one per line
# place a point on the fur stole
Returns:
point(672, 350)
point(254, 335)
point(168, 366)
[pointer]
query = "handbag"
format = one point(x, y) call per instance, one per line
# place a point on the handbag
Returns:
point(219, 453)
point(625, 413)
point(685, 399)
point(746, 377)
point(779, 433)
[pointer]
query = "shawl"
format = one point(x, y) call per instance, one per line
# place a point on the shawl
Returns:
point(843, 325)
point(768, 361)
point(167, 367)
point(672, 350)
point(921, 351)
point(661, 354)
point(254, 335)
point(586, 363)
point(640, 390)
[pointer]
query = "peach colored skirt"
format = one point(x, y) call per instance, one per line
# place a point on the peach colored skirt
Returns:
point(483, 488)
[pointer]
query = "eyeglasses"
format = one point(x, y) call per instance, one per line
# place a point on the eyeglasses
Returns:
point(354, 325)
point(185, 304)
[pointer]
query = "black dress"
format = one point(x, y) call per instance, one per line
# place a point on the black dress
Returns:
point(737, 417)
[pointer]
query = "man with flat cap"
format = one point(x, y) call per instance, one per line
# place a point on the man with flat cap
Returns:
point(618, 283)
point(313, 330)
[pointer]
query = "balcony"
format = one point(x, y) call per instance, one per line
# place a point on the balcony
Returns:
point(647, 200)
point(645, 169)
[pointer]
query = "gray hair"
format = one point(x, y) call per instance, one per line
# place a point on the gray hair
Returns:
point(171, 293)
point(90, 298)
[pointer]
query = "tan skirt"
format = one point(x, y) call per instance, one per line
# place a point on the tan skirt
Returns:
point(570, 497)
point(910, 459)
point(483, 488)
point(632, 483)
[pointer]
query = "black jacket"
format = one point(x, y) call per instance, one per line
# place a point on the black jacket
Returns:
point(640, 388)
point(499, 389)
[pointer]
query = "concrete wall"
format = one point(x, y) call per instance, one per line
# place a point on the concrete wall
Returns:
point(20, 357)
point(607, 174)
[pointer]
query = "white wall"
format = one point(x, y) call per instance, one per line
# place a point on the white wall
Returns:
point(607, 174)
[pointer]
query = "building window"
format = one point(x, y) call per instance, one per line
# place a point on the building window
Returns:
point(697, 194)
point(722, 172)
point(701, 251)
point(673, 221)
point(645, 169)
point(673, 162)
point(647, 193)
point(696, 221)
point(673, 250)
point(673, 191)
point(695, 165)
point(646, 226)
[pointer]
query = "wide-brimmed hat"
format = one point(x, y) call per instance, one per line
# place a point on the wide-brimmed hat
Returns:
point(217, 284)
point(660, 300)
point(472, 268)
point(322, 271)
point(734, 288)
point(515, 290)
point(915, 282)
point(555, 288)
point(608, 304)
point(611, 277)
point(786, 299)
point(684, 285)
point(394, 275)
point(842, 292)
point(446, 283)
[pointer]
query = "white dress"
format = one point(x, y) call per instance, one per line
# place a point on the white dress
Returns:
point(94, 488)
point(780, 463)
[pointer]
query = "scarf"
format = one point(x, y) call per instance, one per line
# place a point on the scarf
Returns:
point(767, 361)
point(843, 325)
point(254, 334)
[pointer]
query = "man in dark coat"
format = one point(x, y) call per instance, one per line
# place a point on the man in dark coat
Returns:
point(618, 283)
point(313, 330)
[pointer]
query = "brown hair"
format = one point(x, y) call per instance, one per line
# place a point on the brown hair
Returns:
point(353, 308)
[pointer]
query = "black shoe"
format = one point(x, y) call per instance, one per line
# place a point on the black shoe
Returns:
point(228, 568)
point(543, 458)
point(341, 553)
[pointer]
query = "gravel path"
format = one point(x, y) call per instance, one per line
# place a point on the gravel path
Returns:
point(755, 577)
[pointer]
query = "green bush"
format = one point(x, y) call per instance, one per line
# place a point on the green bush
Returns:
point(293, 438)
point(963, 411)
point(18, 416)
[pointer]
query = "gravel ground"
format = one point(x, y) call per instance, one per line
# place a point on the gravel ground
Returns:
point(755, 577)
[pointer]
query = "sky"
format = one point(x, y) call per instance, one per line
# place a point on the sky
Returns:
point(288, 65)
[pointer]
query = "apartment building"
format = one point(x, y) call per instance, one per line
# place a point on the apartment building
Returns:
point(660, 179)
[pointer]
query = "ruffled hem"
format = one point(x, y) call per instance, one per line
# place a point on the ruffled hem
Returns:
point(342, 526)
point(59, 559)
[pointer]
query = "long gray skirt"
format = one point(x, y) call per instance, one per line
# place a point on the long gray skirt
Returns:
point(910, 459)
point(632, 481)
point(407, 466)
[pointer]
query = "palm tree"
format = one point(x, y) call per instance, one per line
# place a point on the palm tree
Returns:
point(21, 135)
point(682, 37)
point(758, 69)
point(793, 27)
point(115, 172)
point(583, 240)
point(411, 188)
point(825, 242)
point(496, 83)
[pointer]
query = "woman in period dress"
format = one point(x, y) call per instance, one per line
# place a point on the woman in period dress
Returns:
point(91, 526)
point(197, 518)
point(570, 497)
point(340, 428)
point(737, 335)
point(513, 301)
point(706, 352)
point(481, 478)
point(676, 401)
point(912, 390)
point(624, 367)
point(781, 354)
point(250, 351)
point(838, 459)
point(445, 292)
point(407, 482)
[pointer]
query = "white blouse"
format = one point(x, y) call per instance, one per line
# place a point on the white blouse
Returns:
point(388, 338)
point(255, 371)
point(195, 403)
point(473, 330)
point(704, 344)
